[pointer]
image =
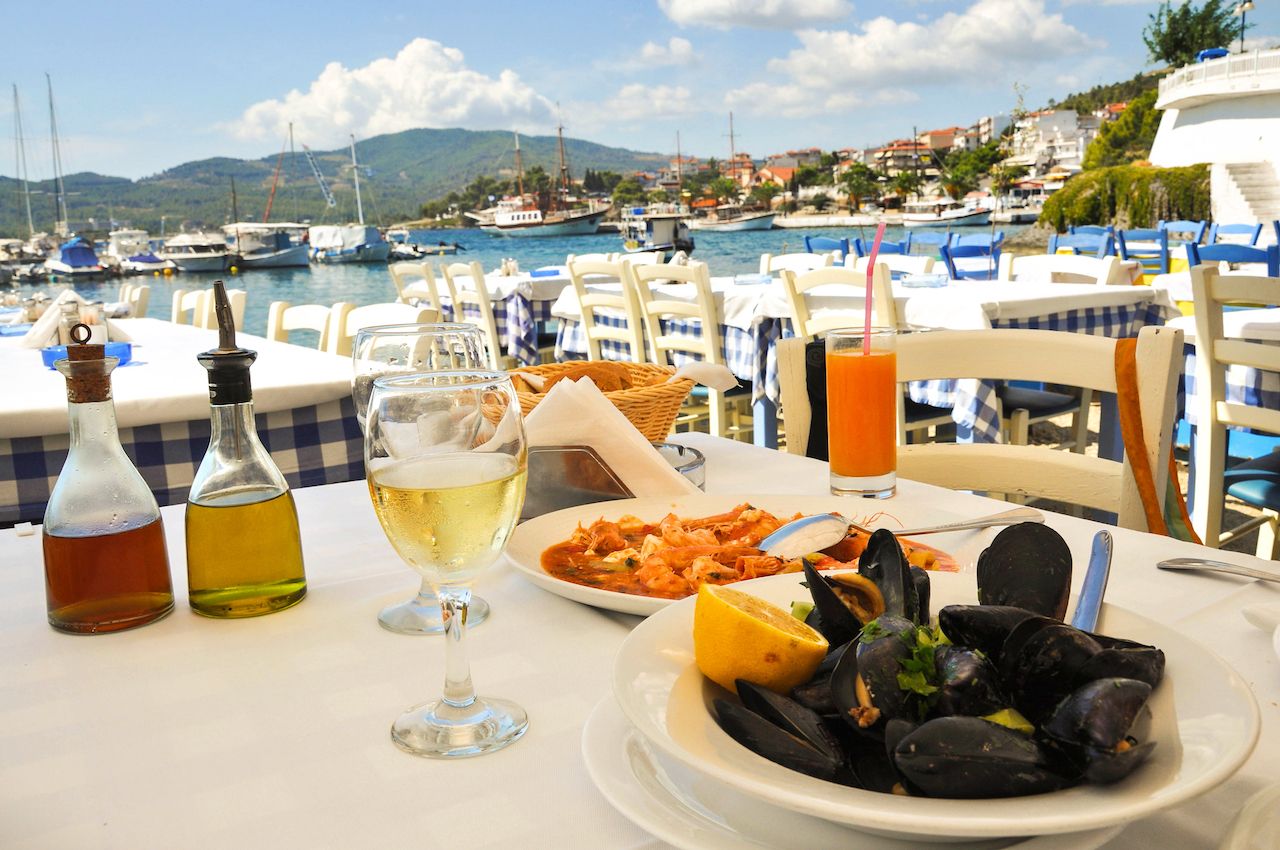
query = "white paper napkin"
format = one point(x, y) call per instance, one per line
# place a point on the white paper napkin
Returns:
point(577, 413)
point(45, 328)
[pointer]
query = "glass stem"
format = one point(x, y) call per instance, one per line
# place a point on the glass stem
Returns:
point(426, 594)
point(458, 690)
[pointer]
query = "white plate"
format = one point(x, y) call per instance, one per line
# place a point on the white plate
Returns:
point(693, 812)
point(1204, 720)
point(532, 538)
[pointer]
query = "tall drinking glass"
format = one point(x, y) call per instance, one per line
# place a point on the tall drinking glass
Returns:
point(862, 413)
point(446, 461)
point(406, 349)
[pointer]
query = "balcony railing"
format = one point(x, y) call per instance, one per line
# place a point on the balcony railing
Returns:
point(1221, 76)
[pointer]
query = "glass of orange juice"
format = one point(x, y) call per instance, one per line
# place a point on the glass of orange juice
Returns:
point(862, 412)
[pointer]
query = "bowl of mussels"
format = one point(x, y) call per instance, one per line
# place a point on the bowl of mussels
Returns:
point(952, 706)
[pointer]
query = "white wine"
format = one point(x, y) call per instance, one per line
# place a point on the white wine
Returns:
point(449, 515)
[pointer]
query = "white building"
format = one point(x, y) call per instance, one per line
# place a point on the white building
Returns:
point(1053, 141)
point(1226, 112)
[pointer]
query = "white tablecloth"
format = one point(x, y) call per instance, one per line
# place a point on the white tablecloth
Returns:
point(1260, 324)
point(198, 733)
point(164, 382)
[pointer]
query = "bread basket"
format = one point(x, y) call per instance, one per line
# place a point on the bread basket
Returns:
point(651, 404)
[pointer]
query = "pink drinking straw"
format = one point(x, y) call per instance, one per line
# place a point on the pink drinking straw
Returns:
point(871, 270)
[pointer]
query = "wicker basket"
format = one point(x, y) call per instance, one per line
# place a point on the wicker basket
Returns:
point(651, 404)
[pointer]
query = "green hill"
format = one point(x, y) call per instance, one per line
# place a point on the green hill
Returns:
point(399, 171)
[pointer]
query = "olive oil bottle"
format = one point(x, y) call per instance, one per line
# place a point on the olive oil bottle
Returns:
point(244, 549)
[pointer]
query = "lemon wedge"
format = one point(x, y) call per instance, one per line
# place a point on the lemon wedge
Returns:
point(737, 636)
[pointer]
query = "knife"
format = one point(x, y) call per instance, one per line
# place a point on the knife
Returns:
point(1219, 567)
point(1089, 604)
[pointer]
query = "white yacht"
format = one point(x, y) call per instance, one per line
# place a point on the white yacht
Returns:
point(196, 252)
point(731, 217)
point(944, 212)
point(348, 243)
point(273, 245)
point(131, 250)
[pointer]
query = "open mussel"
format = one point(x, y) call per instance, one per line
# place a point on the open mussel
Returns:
point(816, 693)
point(1093, 725)
point(885, 564)
point(842, 604)
point(1041, 662)
point(1027, 566)
point(798, 746)
point(864, 683)
point(981, 627)
point(968, 757)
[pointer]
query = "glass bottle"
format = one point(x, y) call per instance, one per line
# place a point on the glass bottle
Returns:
point(106, 566)
point(244, 550)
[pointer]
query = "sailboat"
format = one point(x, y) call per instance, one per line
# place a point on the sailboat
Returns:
point(520, 216)
point(75, 258)
point(731, 217)
point(349, 243)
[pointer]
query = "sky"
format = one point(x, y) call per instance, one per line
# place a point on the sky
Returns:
point(142, 87)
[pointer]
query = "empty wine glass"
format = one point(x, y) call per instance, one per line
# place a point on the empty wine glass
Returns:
point(406, 349)
point(446, 462)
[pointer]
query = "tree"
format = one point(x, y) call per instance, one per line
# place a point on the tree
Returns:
point(628, 191)
point(820, 202)
point(1004, 176)
point(906, 183)
point(1128, 138)
point(725, 189)
point(859, 180)
point(812, 175)
point(764, 193)
point(1175, 35)
point(658, 196)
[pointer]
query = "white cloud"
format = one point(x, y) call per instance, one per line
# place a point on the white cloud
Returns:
point(677, 51)
point(976, 45)
point(789, 100)
point(765, 14)
point(637, 102)
point(426, 84)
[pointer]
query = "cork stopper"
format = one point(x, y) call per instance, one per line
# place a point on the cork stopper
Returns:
point(87, 369)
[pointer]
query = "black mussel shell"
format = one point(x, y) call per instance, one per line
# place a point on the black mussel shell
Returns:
point(981, 627)
point(876, 665)
point(1107, 766)
point(967, 757)
point(1098, 714)
point(969, 683)
point(767, 740)
point(816, 693)
point(1028, 566)
point(885, 564)
point(920, 578)
point(1125, 659)
point(830, 616)
point(788, 715)
point(1041, 669)
point(869, 762)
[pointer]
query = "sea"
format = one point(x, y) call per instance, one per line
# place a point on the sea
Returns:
point(725, 253)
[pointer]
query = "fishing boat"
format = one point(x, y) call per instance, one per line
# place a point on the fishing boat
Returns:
point(131, 251)
point(731, 218)
point(945, 212)
point(418, 251)
point(349, 243)
point(196, 252)
point(657, 227)
point(565, 215)
point(76, 260)
point(274, 245)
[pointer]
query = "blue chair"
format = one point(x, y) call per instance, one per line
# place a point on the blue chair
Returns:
point(1154, 258)
point(1196, 229)
point(1197, 254)
point(1091, 229)
point(931, 239)
point(1253, 231)
point(951, 253)
point(984, 240)
point(1093, 244)
point(863, 249)
point(823, 244)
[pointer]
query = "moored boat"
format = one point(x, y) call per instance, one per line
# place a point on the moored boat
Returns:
point(196, 252)
point(348, 243)
point(565, 215)
point(131, 250)
point(732, 218)
point(267, 246)
point(657, 227)
point(75, 259)
point(945, 212)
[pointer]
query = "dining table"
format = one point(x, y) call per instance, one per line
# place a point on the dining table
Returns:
point(274, 731)
point(302, 399)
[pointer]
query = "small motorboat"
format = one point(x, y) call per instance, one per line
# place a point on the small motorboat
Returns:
point(76, 260)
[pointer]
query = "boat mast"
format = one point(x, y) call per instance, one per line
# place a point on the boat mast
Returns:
point(564, 166)
point(20, 159)
point(519, 170)
point(275, 179)
point(679, 171)
point(60, 206)
point(355, 170)
point(733, 151)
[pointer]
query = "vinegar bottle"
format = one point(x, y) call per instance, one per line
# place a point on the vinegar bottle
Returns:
point(244, 551)
point(106, 567)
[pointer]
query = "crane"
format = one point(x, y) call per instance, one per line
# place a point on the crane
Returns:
point(315, 169)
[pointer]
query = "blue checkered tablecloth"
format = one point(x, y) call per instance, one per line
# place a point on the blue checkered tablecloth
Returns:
point(517, 316)
point(738, 348)
point(1245, 385)
point(318, 444)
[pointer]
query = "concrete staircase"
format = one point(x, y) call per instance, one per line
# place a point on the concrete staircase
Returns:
point(1259, 187)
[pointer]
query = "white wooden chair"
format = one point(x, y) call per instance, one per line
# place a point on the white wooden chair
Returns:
point(347, 319)
point(478, 296)
point(803, 262)
point(626, 302)
point(900, 263)
point(641, 258)
point(1063, 268)
point(283, 317)
point(416, 280)
point(724, 409)
point(598, 257)
point(137, 296)
point(842, 283)
point(198, 303)
point(1215, 354)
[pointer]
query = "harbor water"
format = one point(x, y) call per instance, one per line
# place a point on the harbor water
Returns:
point(725, 253)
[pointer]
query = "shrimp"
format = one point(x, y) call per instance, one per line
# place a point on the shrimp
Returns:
point(604, 537)
point(752, 566)
point(674, 533)
point(657, 576)
point(707, 570)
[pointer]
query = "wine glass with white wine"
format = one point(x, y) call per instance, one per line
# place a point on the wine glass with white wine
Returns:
point(405, 349)
point(446, 461)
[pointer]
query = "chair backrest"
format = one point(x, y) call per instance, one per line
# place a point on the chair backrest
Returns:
point(990, 241)
point(642, 258)
point(472, 304)
point(137, 296)
point(863, 249)
point(283, 317)
point(1154, 258)
point(658, 303)
point(598, 257)
point(1062, 268)
point(770, 263)
point(1192, 229)
point(846, 286)
point(416, 280)
point(346, 320)
point(1091, 229)
point(897, 263)
point(1215, 355)
point(950, 253)
point(1098, 244)
point(1251, 232)
point(1228, 253)
point(199, 304)
point(620, 306)
point(823, 244)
